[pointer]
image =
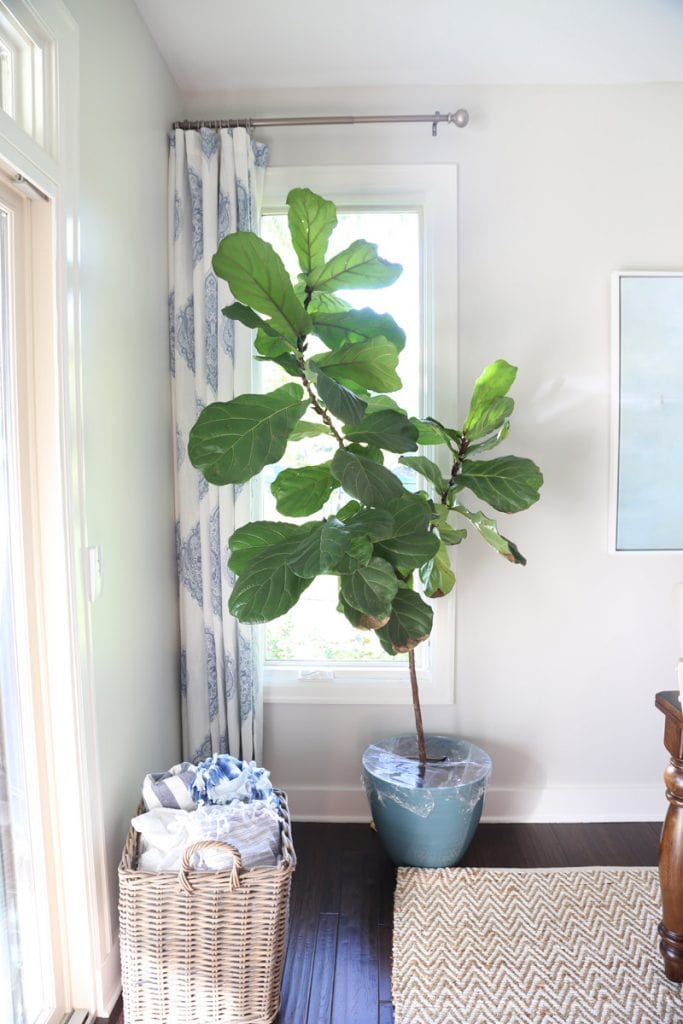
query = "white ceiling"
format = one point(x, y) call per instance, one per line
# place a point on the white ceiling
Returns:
point(224, 45)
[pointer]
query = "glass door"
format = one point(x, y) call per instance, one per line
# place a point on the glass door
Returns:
point(26, 972)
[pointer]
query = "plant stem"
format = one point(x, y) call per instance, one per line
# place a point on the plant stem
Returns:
point(455, 468)
point(321, 411)
point(419, 728)
point(324, 415)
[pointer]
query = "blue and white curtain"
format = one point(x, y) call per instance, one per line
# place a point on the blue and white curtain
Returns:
point(216, 182)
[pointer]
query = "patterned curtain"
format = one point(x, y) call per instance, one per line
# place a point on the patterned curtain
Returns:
point(216, 182)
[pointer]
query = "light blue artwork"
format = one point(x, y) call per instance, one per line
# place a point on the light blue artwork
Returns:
point(650, 439)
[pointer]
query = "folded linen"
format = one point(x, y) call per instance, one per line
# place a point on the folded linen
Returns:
point(170, 789)
point(222, 778)
point(165, 833)
point(253, 828)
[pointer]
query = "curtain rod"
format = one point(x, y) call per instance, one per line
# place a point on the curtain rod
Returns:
point(459, 118)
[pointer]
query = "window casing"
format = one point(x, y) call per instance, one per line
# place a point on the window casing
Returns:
point(429, 192)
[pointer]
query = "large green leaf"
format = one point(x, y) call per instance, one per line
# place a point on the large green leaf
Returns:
point(322, 550)
point(349, 509)
point(321, 302)
point(495, 381)
point(386, 429)
point(426, 468)
point(375, 523)
point(437, 577)
point(412, 542)
point(488, 418)
point(429, 432)
point(410, 512)
point(490, 442)
point(488, 528)
point(287, 362)
point(305, 429)
point(270, 346)
point(312, 220)
point(376, 403)
point(357, 325)
point(371, 588)
point(247, 316)
point(257, 277)
point(267, 587)
point(368, 451)
point(410, 623)
point(363, 479)
point(359, 620)
point(508, 484)
point(232, 441)
point(372, 364)
point(254, 538)
point(278, 350)
point(303, 490)
point(359, 553)
point(447, 533)
point(340, 400)
point(359, 266)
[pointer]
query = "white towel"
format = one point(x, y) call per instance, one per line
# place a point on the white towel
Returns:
point(165, 834)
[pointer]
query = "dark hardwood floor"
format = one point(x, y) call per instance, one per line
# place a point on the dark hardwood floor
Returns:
point(338, 967)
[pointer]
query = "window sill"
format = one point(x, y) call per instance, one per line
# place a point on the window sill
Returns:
point(389, 687)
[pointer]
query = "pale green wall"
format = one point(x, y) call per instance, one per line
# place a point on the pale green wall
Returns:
point(127, 101)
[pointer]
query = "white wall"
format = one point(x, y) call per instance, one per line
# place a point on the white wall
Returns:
point(558, 662)
point(128, 101)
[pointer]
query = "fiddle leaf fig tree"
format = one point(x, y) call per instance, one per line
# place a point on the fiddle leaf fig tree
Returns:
point(387, 545)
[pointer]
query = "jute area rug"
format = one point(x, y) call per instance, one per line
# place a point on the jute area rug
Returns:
point(493, 946)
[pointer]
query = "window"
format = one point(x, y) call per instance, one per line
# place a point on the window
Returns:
point(6, 79)
point(313, 654)
point(26, 70)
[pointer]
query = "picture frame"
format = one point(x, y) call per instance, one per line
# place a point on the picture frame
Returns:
point(646, 494)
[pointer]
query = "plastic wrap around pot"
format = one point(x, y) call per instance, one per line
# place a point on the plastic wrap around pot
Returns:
point(451, 762)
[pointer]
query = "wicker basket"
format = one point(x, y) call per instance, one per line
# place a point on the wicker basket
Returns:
point(204, 947)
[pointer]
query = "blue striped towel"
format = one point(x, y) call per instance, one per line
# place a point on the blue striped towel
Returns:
point(171, 788)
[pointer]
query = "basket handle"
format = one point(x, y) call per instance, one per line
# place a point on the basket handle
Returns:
point(209, 844)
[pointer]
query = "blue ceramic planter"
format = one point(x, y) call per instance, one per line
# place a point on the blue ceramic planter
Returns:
point(426, 822)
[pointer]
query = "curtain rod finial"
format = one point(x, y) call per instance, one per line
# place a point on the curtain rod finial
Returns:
point(461, 118)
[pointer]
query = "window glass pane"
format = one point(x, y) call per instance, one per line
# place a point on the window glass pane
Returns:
point(6, 79)
point(313, 631)
point(26, 66)
point(22, 977)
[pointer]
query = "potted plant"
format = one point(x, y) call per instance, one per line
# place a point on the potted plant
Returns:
point(387, 545)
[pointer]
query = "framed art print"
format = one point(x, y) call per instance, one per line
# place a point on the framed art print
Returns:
point(647, 499)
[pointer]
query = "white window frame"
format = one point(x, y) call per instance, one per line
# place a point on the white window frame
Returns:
point(432, 191)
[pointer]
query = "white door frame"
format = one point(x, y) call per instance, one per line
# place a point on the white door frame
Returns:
point(89, 949)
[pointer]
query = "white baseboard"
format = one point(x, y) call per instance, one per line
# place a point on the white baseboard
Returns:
point(553, 803)
point(576, 803)
point(328, 803)
point(109, 981)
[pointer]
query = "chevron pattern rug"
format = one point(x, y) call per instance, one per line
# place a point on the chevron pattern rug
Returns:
point(493, 946)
